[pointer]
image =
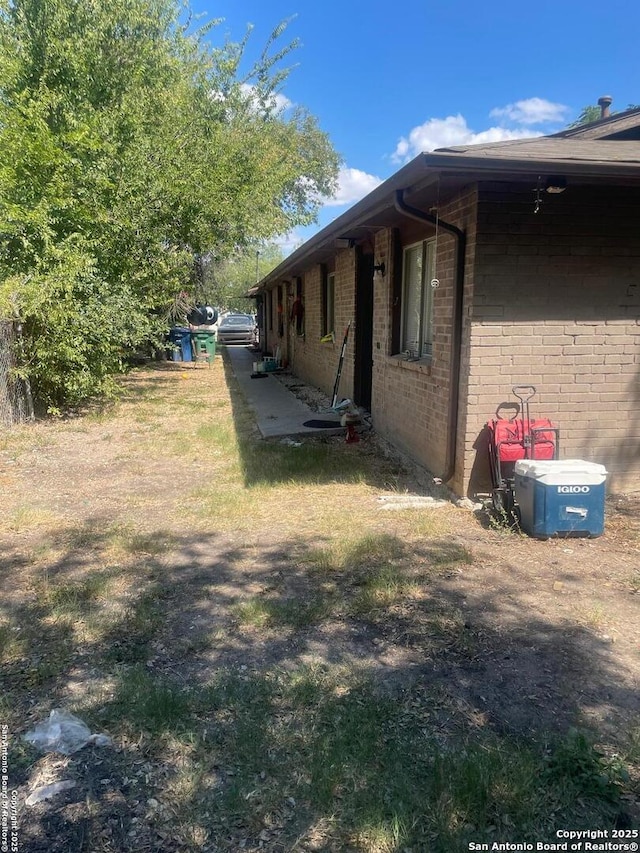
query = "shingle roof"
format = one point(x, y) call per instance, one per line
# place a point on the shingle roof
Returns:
point(604, 128)
point(588, 159)
point(549, 150)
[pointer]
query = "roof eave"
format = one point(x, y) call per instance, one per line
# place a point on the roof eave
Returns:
point(376, 200)
point(425, 168)
point(586, 168)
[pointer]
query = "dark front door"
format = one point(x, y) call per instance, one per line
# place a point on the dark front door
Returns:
point(363, 362)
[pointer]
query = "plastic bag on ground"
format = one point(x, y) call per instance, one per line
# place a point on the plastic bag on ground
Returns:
point(64, 733)
point(47, 791)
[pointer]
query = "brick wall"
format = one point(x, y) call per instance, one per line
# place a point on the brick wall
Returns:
point(556, 304)
point(550, 299)
point(311, 360)
point(410, 399)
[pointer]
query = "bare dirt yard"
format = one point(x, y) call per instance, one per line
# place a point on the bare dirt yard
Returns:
point(283, 660)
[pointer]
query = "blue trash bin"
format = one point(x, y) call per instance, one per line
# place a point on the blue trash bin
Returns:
point(560, 497)
point(180, 339)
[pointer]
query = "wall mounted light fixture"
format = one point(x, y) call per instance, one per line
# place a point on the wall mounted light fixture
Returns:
point(379, 269)
point(555, 184)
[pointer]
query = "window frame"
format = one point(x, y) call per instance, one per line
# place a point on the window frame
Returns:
point(328, 303)
point(424, 330)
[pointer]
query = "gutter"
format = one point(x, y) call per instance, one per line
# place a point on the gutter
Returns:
point(456, 337)
point(453, 162)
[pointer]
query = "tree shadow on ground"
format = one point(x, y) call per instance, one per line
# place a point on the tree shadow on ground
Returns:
point(151, 382)
point(209, 703)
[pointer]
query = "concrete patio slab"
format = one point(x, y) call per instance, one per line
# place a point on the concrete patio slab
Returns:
point(278, 412)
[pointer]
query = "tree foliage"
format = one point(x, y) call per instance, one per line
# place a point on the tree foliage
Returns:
point(587, 115)
point(592, 113)
point(132, 147)
point(227, 280)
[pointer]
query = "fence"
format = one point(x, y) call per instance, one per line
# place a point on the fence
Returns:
point(15, 396)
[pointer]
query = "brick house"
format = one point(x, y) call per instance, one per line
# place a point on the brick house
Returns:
point(471, 270)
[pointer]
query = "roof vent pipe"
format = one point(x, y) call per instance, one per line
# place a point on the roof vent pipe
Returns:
point(605, 103)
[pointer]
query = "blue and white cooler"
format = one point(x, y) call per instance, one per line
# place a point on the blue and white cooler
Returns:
point(560, 497)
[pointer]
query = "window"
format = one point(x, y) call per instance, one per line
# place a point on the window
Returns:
point(328, 302)
point(418, 269)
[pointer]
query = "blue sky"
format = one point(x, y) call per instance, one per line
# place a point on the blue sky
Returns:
point(387, 81)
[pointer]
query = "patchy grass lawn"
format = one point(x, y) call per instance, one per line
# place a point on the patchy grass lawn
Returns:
point(282, 665)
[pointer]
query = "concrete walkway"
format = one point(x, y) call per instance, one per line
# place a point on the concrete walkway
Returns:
point(278, 412)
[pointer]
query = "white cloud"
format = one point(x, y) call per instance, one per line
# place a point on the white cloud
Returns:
point(282, 102)
point(353, 184)
point(515, 123)
point(445, 132)
point(532, 111)
point(277, 102)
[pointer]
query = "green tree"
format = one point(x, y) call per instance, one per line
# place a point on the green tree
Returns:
point(590, 113)
point(132, 148)
point(586, 116)
point(227, 280)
